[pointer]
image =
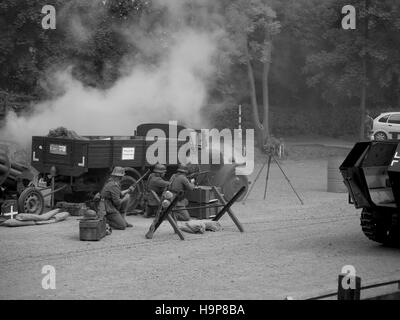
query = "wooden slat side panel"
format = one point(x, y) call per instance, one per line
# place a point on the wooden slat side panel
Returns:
point(100, 154)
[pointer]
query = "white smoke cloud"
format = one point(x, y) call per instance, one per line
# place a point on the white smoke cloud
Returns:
point(173, 89)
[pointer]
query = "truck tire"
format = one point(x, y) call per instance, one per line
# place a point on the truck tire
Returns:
point(376, 230)
point(233, 184)
point(230, 183)
point(31, 201)
point(380, 136)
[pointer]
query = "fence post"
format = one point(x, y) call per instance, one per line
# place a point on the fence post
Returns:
point(350, 293)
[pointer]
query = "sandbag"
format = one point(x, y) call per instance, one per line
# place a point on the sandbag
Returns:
point(52, 220)
point(36, 217)
point(61, 216)
point(193, 226)
point(212, 225)
point(16, 223)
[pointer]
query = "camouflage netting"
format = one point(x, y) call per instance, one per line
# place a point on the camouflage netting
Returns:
point(62, 132)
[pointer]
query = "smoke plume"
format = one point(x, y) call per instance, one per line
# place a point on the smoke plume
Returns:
point(174, 88)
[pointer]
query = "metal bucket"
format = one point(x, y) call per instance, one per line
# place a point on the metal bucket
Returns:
point(335, 179)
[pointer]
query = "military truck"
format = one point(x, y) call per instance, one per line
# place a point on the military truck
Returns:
point(82, 165)
point(371, 173)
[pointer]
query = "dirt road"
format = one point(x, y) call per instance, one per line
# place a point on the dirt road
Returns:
point(287, 249)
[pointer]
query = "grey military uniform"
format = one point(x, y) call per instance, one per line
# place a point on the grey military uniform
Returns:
point(180, 183)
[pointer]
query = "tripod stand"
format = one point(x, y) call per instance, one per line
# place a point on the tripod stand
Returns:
point(268, 161)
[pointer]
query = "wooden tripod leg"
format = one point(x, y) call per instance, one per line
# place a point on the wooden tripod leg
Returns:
point(266, 179)
point(254, 182)
point(230, 212)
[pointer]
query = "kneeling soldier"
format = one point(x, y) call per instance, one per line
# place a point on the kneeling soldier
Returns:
point(115, 199)
point(179, 183)
point(157, 184)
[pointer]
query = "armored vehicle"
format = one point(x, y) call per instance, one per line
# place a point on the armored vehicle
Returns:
point(371, 173)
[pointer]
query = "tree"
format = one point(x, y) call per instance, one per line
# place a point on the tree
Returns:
point(24, 44)
point(252, 26)
point(351, 65)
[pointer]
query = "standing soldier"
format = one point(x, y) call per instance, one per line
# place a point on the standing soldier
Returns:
point(179, 183)
point(157, 184)
point(114, 200)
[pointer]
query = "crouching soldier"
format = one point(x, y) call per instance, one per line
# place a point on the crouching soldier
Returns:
point(157, 184)
point(114, 200)
point(180, 184)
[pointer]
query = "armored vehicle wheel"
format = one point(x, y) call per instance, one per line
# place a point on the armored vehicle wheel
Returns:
point(377, 231)
point(31, 201)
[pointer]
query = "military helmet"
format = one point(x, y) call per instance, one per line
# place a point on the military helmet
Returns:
point(183, 168)
point(159, 168)
point(118, 172)
point(90, 215)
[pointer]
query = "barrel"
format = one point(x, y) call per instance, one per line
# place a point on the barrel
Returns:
point(335, 179)
point(5, 165)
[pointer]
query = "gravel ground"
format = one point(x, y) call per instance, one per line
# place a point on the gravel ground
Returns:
point(286, 249)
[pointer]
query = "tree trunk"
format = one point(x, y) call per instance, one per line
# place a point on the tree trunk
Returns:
point(259, 128)
point(363, 103)
point(266, 69)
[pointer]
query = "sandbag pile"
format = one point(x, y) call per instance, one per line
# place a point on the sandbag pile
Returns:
point(200, 226)
point(29, 219)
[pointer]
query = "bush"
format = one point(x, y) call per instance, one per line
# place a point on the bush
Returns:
point(327, 121)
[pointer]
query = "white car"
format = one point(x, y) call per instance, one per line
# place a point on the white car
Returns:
point(386, 126)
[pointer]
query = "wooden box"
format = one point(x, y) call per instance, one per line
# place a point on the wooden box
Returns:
point(92, 230)
point(200, 195)
point(202, 213)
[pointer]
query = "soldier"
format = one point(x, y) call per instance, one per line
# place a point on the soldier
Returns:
point(156, 183)
point(114, 200)
point(179, 182)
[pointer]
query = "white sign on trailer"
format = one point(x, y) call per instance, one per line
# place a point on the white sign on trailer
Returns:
point(128, 153)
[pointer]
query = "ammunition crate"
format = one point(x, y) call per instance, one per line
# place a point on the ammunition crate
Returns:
point(92, 230)
point(200, 195)
point(202, 213)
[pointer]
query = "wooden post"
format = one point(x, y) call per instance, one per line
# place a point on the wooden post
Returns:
point(52, 191)
point(229, 210)
point(350, 293)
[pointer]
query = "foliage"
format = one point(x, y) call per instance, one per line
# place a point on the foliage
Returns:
point(290, 54)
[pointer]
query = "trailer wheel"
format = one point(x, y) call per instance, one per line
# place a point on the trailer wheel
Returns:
point(31, 201)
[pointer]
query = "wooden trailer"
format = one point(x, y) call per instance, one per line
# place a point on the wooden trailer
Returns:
point(81, 166)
